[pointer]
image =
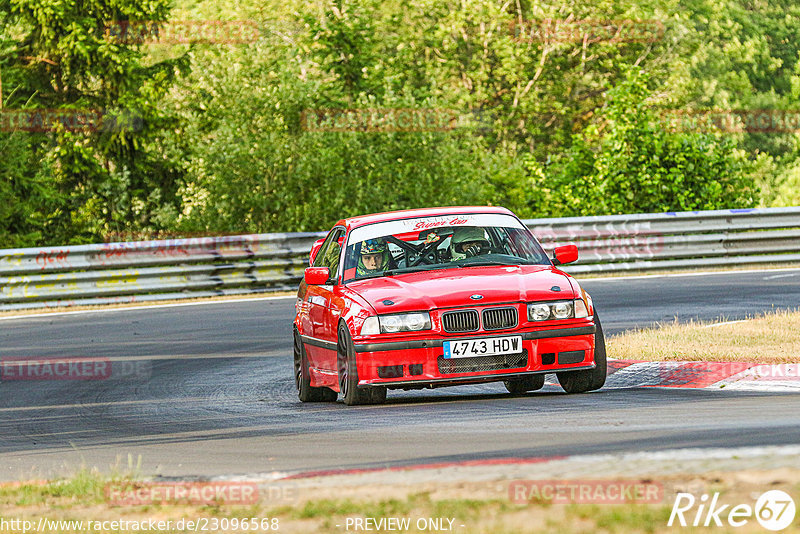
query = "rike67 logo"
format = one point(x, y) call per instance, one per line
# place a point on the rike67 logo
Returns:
point(774, 510)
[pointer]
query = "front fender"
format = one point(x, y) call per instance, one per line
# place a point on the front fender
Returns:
point(354, 309)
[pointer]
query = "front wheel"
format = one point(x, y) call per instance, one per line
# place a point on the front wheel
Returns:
point(592, 379)
point(523, 384)
point(348, 374)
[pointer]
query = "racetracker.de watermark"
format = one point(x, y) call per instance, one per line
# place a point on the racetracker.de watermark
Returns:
point(181, 32)
point(586, 491)
point(781, 371)
point(55, 369)
point(69, 120)
point(587, 31)
point(142, 493)
point(23, 368)
point(388, 120)
point(160, 235)
point(732, 120)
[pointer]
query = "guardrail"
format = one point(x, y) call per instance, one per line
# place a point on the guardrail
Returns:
point(677, 240)
point(261, 263)
point(110, 273)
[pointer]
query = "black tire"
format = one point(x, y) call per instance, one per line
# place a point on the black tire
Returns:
point(348, 372)
point(302, 380)
point(601, 371)
point(583, 381)
point(523, 384)
point(329, 395)
point(377, 394)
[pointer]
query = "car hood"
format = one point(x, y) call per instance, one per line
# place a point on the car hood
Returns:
point(427, 290)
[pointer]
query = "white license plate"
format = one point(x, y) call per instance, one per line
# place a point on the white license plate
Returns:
point(490, 346)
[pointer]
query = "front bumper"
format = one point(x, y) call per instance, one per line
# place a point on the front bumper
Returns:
point(420, 362)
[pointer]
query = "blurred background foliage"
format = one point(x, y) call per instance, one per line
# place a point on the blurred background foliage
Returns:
point(216, 139)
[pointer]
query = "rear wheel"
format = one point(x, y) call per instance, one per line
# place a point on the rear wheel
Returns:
point(348, 372)
point(583, 381)
point(522, 384)
point(302, 378)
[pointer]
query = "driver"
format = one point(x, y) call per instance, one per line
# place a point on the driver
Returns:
point(467, 242)
point(374, 257)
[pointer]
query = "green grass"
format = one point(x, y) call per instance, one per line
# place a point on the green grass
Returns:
point(78, 497)
point(324, 508)
point(768, 338)
point(84, 486)
point(466, 508)
point(623, 518)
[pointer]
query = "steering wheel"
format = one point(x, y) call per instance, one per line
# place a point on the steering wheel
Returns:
point(424, 252)
point(427, 254)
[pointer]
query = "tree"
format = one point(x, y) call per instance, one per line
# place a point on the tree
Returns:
point(631, 163)
point(108, 175)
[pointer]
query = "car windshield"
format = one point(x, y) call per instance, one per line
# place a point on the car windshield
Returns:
point(441, 242)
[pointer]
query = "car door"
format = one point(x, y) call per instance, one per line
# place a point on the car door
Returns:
point(321, 349)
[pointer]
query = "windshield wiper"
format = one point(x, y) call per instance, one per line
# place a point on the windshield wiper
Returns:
point(424, 267)
point(484, 263)
point(381, 274)
point(404, 270)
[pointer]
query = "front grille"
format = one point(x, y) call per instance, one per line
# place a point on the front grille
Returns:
point(460, 321)
point(482, 363)
point(499, 318)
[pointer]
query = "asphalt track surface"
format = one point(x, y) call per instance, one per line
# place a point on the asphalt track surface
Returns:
point(207, 390)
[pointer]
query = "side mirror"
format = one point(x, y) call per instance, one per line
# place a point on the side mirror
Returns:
point(314, 249)
point(565, 254)
point(317, 276)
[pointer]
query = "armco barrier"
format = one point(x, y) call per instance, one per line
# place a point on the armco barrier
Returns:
point(260, 263)
point(675, 240)
point(152, 270)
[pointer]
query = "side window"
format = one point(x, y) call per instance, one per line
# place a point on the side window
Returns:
point(522, 245)
point(398, 255)
point(505, 243)
point(330, 252)
point(319, 259)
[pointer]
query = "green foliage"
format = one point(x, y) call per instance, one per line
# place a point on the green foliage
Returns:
point(635, 165)
point(26, 198)
point(344, 44)
point(255, 168)
point(106, 177)
point(565, 127)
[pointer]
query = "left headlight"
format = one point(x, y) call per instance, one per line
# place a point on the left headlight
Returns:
point(404, 322)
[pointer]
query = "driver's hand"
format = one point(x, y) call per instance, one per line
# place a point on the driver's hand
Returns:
point(472, 250)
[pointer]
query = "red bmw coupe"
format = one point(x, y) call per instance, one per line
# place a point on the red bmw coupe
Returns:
point(440, 297)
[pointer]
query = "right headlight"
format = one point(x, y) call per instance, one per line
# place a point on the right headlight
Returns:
point(559, 309)
point(405, 322)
